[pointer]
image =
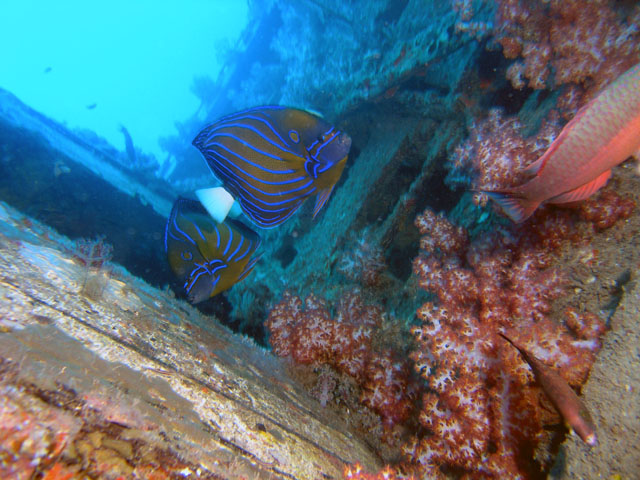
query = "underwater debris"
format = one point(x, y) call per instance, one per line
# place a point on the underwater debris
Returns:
point(364, 262)
point(410, 84)
point(346, 343)
point(128, 142)
point(141, 384)
point(92, 253)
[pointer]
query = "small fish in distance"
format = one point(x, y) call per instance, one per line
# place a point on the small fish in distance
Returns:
point(270, 159)
point(560, 393)
point(208, 257)
point(604, 133)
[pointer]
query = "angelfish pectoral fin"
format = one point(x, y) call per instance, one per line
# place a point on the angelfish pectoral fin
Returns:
point(321, 199)
point(217, 201)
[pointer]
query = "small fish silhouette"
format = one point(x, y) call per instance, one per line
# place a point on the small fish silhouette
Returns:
point(604, 133)
point(92, 106)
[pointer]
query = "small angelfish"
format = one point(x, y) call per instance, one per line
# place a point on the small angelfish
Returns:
point(270, 159)
point(604, 133)
point(209, 257)
point(560, 393)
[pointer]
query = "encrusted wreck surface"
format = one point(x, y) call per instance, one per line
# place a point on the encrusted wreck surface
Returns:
point(102, 373)
point(77, 184)
point(611, 395)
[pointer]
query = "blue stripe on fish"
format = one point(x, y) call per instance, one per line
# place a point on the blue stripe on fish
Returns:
point(251, 199)
point(228, 245)
point(199, 232)
point(246, 252)
point(272, 158)
point(215, 229)
point(208, 257)
point(185, 235)
point(219, 139)
point(232, 165)
point(265, 122)
point(279, 143)
point(236, 250)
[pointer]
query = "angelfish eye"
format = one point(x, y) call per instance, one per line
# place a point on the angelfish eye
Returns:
point(186, 255)
point(293, 135)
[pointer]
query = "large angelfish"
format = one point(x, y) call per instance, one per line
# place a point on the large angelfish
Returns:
point(209, 257)
point(270, 159)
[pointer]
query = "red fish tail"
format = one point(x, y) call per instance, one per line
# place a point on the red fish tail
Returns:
point(516, 208)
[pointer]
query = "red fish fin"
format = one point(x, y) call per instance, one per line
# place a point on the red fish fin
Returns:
point(536, 166)
point(517, 209)
point(583, 191)
point(321, 200)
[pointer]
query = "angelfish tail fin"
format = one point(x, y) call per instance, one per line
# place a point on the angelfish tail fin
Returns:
point(518, 209)
point(217, 201)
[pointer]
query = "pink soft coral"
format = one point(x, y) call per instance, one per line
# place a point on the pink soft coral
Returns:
point(309, 335)
point(575, 40)
point(482, 410)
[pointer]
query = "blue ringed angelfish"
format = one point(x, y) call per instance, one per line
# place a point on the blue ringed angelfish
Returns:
point(208, 257)
point(272, 158)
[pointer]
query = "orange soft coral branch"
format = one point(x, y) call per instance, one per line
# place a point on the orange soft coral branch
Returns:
point(356, 472)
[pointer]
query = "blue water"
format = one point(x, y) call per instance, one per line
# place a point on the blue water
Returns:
point(100, 66)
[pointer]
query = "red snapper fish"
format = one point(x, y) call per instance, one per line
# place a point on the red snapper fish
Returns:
point(604, 133)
